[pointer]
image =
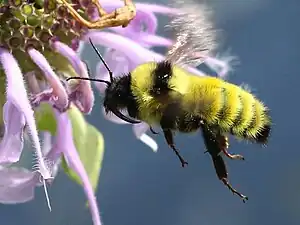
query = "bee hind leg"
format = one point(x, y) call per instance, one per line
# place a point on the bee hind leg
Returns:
point(223, 145)
point(222, 174)
point(215, 144)
point(232, 156)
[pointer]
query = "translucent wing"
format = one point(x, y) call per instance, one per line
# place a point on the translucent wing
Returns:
point(195, 36)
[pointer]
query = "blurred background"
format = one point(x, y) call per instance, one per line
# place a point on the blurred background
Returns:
point(138, 186)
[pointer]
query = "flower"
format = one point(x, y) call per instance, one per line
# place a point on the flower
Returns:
point(129, 47)
point(37, 52)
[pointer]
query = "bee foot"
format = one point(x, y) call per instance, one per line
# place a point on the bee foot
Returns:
point(233, 156)
point(234, 191)
point(183, 163)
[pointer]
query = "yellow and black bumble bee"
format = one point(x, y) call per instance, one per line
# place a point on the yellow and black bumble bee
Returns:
point(165, 94)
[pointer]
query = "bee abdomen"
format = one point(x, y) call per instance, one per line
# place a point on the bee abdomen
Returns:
point(259, 129)
point(243, 115)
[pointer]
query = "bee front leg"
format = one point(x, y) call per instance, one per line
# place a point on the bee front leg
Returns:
point(167, 123)
point(169, 138)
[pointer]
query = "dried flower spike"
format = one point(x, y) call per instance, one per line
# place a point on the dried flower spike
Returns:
point(119, 17)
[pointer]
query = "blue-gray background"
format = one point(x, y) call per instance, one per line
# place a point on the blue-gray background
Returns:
point(140, 187)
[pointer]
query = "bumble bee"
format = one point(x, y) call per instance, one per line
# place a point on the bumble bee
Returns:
point(165, 94)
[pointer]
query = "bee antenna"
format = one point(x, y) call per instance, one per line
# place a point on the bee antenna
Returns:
point(102, 60)
point(90, 79)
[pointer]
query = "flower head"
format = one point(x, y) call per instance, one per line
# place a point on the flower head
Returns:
point(37, 52)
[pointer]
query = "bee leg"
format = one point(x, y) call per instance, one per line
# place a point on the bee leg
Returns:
point(169, 138)
point(153, 131)
point(222, 174)
point(168, 123)
point(223, 143)
point(212, 139)
point(232, 156)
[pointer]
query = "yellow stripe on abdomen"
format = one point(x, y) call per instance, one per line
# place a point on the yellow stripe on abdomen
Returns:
point(206, 98)
point(231, 108)
point(246, 115)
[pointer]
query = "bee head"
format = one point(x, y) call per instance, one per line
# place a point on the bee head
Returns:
point(115, 93)
point(116, 98)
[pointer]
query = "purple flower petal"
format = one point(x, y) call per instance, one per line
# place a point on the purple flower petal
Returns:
point(154, 40)
point(16, 185)
point(81, 94)
point(64, 144)
point(135, 52)
point(117, 62)
point(142, 30)
point(12, 143)
point(69, 53)
point(145, 22)
point(34, 85)
point(16, 94)
point(113, 118)
point(222, 65)
point(140, 132)
point(80, 48)
point(54, 160)
point(155, 8)
point(57, 94)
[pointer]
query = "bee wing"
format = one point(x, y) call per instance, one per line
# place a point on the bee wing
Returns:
point(195, 36)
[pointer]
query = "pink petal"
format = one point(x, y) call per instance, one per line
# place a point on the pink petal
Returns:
point(17, 95)
point(113, 118)
point(80, 48)
point(155, 8)
point(222, 65)
point(16, 185)
point(58, 89)
point(117, 62)
point(140, 132)
point(69, 53)
point(12, 143)
point(53, 160)
point(144, 23)
point(82, 94)
point(154, 40)
point(135, 52)
point(64, 144)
